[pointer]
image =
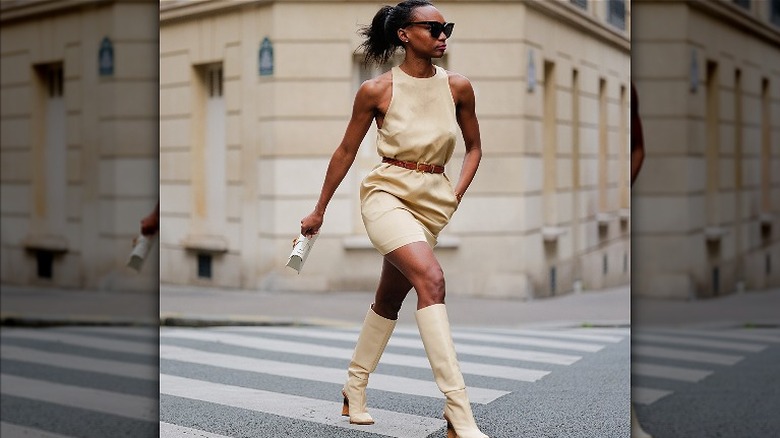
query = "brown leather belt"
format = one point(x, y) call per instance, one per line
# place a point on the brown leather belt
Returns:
point(411, 165)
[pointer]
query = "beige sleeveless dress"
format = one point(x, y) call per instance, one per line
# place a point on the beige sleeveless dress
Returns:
point(400, 206)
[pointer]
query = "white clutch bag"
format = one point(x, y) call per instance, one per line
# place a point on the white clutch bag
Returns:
point(301, 248)
point(143, 244)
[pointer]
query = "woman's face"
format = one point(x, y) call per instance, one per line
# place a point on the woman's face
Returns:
point(419, 38)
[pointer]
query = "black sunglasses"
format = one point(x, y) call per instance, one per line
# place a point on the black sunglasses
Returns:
point(435, 27)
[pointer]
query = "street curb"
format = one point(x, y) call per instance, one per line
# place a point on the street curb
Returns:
point(166, 320)
point(198, 320)
point(179, 320)
point(11, 320)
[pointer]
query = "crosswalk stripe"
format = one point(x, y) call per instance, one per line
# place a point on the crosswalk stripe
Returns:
point(383, 382)
point(743, 334)
point(16, 431)
point(519, 340)
point(150, 333)
point(389, 423)
point(647, 396)
point(617, 330)
point(553, 334)
point(496, 352)
point(676, 340)
point(685, 355)
point(668, 372)
point(86, 341)
point(102, 366)
point(168, 430)
point(131, 406)
point(416, 343)
point(475, 368)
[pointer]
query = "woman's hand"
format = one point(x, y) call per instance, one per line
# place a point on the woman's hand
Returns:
point(310, 225)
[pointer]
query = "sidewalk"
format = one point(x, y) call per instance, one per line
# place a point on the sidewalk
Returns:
point(179, 305)
point(199, 306)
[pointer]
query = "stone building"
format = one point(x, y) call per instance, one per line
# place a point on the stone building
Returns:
point(256, 95)
point(79, 125)
point(706, 205)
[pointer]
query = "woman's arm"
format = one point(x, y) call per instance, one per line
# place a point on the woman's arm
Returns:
point(467, 119)
point(344, 156)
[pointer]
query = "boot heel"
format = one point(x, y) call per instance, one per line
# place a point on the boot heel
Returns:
point(450, 430)
point(345, 407)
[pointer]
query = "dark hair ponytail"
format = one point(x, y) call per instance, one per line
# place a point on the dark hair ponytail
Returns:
point(381, 37)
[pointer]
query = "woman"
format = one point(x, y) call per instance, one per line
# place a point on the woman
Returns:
point(407, 199)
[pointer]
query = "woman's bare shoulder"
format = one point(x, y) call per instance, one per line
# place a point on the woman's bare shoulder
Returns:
point(373, 91)
point(458, 81)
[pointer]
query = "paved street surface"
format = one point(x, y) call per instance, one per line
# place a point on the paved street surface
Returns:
point(286, 381)
point(89, 382)
point(706, 382)
point(270, 364)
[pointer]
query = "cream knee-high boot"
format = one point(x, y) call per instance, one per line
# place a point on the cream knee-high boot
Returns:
point(636, 429)
point(435, 333)
point(371, 343)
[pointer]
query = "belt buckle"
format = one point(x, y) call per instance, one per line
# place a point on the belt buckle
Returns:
point(418, 165)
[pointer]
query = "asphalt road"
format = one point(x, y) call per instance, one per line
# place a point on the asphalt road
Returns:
point(79, 382)
point(707, 382)
point(284, 382)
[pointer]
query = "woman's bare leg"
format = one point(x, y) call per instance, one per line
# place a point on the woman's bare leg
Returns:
point(419, 266)
point(391, 292)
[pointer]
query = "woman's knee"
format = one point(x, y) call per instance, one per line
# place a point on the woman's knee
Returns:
point(434, 286)
point(387, 308)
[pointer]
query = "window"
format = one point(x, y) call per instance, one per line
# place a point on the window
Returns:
point(616, 13)
point(774, 12)
point(581, 3)
point(550, 151)
point(766, 153)
point(214, 143)
point(204, 265)
point(54, 79)
point(214, 80)
point(52, 188)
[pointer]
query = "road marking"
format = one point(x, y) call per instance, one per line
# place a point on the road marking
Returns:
point(518, 340)
point(675, 340)
point(744, 334)
point(475, 368)
point(554, 334)
point(382, 382)
point(168, 430)
point(81, 363)
point(667, 372)
point(496, 352)
point(388, 423)
point(647, 396)
point(151, 333)
point(85, 341)
point(131, 406)
point(686, 355)
point(16, 431)
point(416, 343)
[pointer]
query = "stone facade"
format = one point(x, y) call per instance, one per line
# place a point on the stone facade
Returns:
point(79, 149)
point(549, 205)
point(706, 204)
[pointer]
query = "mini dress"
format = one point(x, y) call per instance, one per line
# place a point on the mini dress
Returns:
point(400, 206)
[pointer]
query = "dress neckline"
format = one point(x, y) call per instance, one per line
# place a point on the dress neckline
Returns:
point(435, 74)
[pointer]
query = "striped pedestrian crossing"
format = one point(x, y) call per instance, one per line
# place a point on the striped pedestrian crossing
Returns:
point(665, 360)
point(79, 382)
point(498, 362)
point(118, 381)
point(320, 374)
